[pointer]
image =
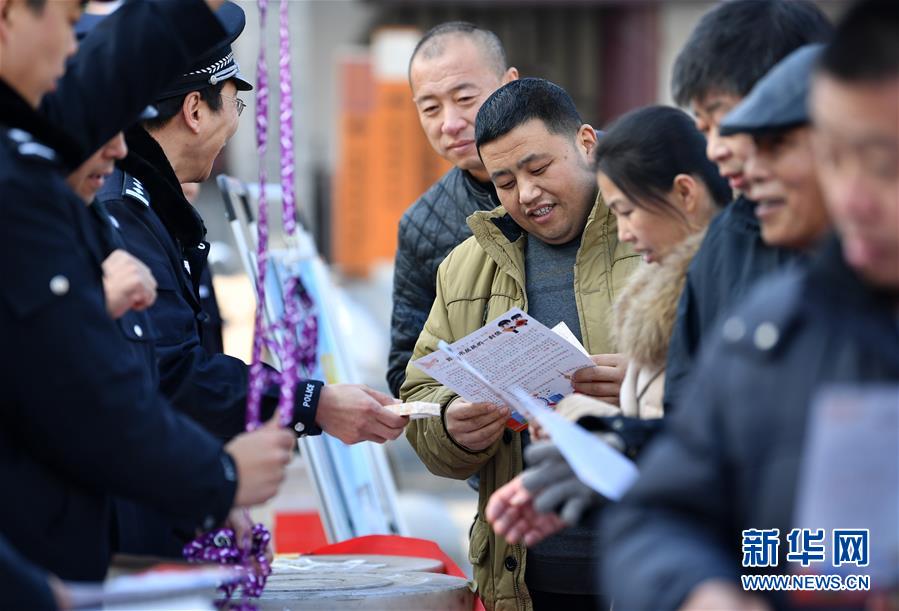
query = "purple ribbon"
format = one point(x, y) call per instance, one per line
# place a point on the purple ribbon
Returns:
point(289, 353)
point(221, 545)
point(297, 329)
point(295, 354)
point(258, 378)
point(288, 192)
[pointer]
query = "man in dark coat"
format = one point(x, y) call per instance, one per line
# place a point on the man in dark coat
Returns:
point(198, 113)
point(129, 288)
point(79, 421)
point(780, 169)
point(732, 47)
point(435, 224)
point(729, 461)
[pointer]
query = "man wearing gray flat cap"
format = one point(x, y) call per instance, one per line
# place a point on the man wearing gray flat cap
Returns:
point(780, 170)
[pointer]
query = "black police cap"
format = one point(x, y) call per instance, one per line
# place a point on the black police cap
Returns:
point(218, 64)
point(83, 27)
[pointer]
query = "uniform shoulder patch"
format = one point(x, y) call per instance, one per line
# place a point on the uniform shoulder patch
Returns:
point(132, 187)
point(26, 146)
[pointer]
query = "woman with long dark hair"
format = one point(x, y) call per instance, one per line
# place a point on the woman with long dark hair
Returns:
point(654, 174)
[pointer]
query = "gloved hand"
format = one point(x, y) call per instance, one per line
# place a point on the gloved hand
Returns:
point(525, 508)
point(553, 485)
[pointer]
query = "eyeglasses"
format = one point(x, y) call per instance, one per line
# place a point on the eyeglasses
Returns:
point(237, 102)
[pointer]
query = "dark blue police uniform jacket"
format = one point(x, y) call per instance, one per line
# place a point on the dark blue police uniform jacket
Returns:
point(79, 422)
point(99, 94)
point(138, 528)
point(25, 586)
point(162, 229)
point(135, 326)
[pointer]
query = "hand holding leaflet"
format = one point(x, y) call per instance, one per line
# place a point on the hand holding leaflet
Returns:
point(594, 462)
point(513, 350)
point(500, 396)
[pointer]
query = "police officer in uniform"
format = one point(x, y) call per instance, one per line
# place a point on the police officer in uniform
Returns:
point(213, 340)
point(198, 114)
point(109, 80)
point(129, 286)
point(79, 421)
point(166, 232)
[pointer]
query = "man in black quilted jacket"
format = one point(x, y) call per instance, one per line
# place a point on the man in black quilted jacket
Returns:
point(454, 68)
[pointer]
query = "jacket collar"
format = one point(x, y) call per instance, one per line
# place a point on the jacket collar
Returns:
point(481, 191)
point(498, 234)
point(506, 228)
point(830, 277)
point(645, 311)
point(743, 218)
point(16, 113)
point(147, 161)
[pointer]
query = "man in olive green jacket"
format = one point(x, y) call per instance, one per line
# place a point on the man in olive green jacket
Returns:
point(552, 250)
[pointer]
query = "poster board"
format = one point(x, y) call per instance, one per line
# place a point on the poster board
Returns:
point(355, 490)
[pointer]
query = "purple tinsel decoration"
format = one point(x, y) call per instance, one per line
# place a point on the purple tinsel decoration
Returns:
point(289, 363)
point(258, 377)
point(288, 194)
point(297, 330)
point(220, 546)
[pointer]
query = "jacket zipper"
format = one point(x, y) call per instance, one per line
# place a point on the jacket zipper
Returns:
point(518, 551)
point(516, 548)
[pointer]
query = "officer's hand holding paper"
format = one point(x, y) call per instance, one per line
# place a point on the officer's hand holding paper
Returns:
point(355, 412)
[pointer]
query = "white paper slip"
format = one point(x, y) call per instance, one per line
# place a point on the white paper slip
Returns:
point(564, 332)
point(594, 462)
point(849, 480)
point(513, 350)
point(186, 588)
point(415, 409)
